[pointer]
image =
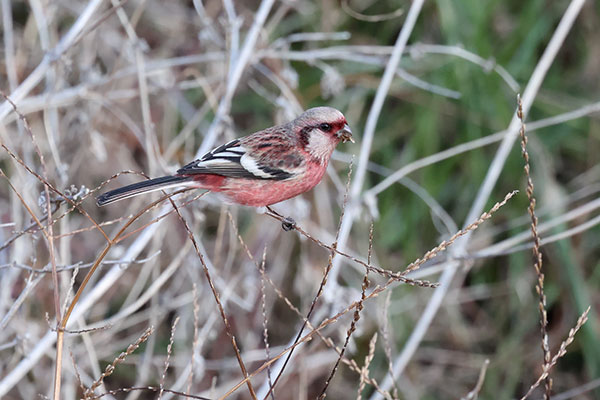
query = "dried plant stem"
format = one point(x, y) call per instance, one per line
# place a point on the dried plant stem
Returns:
point(263, 301)
point(372, 119)
point(537, 254)
point(236, 68)
point(359, 307)
point(471, 227)
point(150, 388)
point(376, 292)
point(63, 323)
point(305, 321)
point(473, 394)
point(388, 274)
point(51, 56)
point(364, 371)
point(561, 352)
point(323, 281)
point(76, 205)
point(349, 362)
point(168, 359)
point(228, 329)
point(387, 341)
point(48, 234)
point(370, 18)
point(400, 276)
point(89, 393)
point(196, 304)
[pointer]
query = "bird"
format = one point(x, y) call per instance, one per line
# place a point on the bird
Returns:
point(261, 169)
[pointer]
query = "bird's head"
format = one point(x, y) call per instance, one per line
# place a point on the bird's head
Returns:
point(320, 129)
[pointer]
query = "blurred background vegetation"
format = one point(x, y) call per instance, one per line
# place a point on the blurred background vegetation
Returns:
point(490, 311)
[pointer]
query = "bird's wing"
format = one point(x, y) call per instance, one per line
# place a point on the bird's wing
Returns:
point(247, 158)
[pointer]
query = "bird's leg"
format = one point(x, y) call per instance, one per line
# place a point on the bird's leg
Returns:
point(287, 223)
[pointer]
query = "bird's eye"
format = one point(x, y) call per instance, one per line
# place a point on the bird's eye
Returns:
point(325, 127)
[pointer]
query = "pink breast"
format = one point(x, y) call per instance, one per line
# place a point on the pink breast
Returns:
point(260, 193)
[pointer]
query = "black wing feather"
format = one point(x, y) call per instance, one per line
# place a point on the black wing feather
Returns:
point(232, 167)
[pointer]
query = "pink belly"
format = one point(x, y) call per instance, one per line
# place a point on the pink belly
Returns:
point(250, 192)
point(260, 193)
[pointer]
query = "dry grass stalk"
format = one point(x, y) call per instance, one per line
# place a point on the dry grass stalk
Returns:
point(196, 306)
point(309, 337)
point(356, 318)
point(471, 227)
point(374, 293)
point(77, 375)
point(228, 329)
point(323, 281)
point(537, 254)
point(71, 286)
point(388, 274)
point(400, 276)
point(387, 341)
point(63, 322)
point(314, 330)
point(263, 302)
point(60, 194)
point(76, 266)
point(473, 394)
point(74, 198)
point(49, 235)
point(114, 392)
point(370, 18)
point(89, 392)
point(561, 352)
point(364, 371)
point(48, 232)
point(162, 216)
point(168, 359)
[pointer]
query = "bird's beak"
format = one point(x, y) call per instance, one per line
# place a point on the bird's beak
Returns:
point(345, 134)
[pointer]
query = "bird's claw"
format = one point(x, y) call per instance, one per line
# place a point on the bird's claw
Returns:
point(288, 224)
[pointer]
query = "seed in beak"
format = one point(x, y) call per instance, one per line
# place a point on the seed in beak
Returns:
point(345, 134)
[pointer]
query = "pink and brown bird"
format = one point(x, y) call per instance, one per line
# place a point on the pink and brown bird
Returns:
point(260, 169)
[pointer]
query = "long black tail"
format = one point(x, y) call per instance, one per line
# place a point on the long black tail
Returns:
point(134, 189)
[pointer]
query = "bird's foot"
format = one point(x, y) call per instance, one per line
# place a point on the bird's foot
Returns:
point(288, 224)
